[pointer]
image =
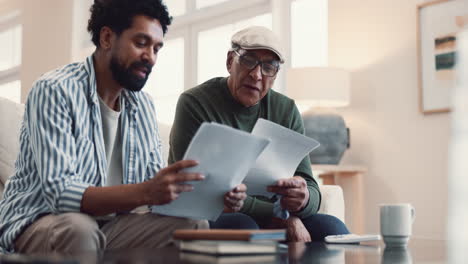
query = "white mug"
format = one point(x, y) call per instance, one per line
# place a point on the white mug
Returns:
point(396, 221)
point(396, 255)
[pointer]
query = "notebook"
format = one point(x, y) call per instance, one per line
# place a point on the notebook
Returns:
point(189, 257)
point(223, 247)
point(229, 234)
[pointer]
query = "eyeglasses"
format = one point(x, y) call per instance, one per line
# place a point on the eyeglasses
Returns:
point(250, 62)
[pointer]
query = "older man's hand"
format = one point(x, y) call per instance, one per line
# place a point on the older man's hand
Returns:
point(296, 231)
point(234, 200)
point(294, 193)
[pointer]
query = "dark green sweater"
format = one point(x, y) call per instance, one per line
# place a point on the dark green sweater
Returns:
point(213, 102)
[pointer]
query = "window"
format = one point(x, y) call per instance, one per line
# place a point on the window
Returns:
point(166, 82)
point(213, 45)
point(176, 7)
point(197, 42)
point(309, 43)
point(205, 3)
point(10, 53)
point(11, 91)
point(10, 58)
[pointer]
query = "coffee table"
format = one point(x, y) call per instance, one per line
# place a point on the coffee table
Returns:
point(418, 251)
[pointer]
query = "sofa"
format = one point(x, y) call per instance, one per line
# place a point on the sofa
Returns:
point(11, 115)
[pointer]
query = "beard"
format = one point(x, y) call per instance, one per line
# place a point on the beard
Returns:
point(125, 76)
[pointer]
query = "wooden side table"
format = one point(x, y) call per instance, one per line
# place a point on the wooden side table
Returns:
point(349, 177)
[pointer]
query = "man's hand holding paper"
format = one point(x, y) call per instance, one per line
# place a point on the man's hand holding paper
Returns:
point(167, 185)
point(293, 191)
point(278, 162)
point(224, 164)
point(234, 199)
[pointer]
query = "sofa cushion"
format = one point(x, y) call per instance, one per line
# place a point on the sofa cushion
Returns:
point(332, 201)
point(10, 119)
point(164, 132)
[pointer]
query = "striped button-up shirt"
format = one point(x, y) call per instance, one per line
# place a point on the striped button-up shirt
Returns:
point(62, 148)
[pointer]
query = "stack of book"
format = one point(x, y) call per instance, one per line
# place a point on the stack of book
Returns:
point(197, 258)
point(230, 242)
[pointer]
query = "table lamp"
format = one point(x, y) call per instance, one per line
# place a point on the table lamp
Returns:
point(319, 89)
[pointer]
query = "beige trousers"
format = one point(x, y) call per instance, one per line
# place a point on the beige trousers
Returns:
point(75, 233)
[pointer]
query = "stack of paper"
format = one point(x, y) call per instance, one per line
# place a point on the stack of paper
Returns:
point(280, 158)
point(227, 155)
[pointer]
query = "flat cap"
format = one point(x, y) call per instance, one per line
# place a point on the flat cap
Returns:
point(257, 37)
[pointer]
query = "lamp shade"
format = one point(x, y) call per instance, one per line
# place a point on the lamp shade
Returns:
point(323, 88)
point(319, 86)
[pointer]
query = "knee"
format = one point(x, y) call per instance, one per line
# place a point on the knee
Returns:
point(322, 225)
point(187, 223)
point(76, 224)
point(234, 221)
point(245, 221)
point(201, 224)
point(331, 221)
point(76, 232)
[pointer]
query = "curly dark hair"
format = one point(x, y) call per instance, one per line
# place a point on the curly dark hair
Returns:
point(118, 15)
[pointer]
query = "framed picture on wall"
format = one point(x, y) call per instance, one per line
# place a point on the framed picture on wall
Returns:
point(437, 24)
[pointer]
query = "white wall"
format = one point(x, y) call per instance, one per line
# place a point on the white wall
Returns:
point(404, 150)
point(47, 36)
point(7, 6)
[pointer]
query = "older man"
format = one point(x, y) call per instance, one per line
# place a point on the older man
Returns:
point(239, 101)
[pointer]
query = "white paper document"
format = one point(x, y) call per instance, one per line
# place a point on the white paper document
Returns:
point(224, 156)
point(280, 158)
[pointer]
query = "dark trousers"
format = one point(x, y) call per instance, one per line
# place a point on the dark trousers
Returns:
point(318, 225)
point(234, 221)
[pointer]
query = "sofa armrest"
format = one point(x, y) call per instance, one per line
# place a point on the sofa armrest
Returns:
point(332, 201)
point(11, 116)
